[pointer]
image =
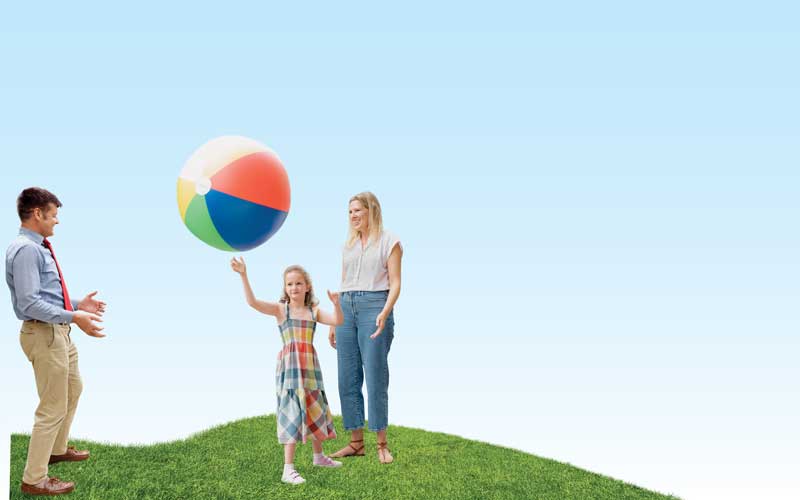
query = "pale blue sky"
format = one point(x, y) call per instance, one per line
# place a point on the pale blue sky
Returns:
point(598, 206)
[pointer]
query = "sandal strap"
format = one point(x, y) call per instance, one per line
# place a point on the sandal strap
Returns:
point(356, 450)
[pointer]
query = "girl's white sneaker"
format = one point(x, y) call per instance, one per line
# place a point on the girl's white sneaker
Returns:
point(292, 477)
point(325, 461)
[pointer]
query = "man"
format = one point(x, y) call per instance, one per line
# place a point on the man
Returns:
point(40, 299)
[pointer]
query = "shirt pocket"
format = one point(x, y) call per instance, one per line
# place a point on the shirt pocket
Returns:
point(50, 272)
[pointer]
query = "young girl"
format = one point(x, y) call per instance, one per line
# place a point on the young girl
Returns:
point(303, 410)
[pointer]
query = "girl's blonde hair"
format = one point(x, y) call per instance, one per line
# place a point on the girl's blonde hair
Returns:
point(310, 299)
point(373, 206)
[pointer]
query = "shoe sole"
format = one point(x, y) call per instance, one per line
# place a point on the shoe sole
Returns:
point(48, 493)
point(51, 462)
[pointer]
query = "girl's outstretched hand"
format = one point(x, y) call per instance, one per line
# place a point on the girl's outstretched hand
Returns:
point(334, 296)
point(238, 265)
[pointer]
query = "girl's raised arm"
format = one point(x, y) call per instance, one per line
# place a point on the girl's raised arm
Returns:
point(270, 308)
point(337, 317)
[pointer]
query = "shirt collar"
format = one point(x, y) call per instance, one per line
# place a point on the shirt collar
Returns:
point(31, 235)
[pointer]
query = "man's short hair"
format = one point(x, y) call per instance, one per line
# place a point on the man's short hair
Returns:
point(32, 198)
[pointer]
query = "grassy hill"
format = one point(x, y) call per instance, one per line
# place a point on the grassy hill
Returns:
point(243, 460)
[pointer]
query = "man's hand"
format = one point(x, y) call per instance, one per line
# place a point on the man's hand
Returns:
point(92, 305)
point(86, 322)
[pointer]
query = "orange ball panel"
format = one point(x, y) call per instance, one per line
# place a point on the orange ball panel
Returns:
point(256, 177)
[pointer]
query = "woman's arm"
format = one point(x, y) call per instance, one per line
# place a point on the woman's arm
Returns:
point(393, 265)
point(270, 308)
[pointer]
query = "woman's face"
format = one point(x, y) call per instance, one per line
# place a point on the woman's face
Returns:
point(359, 217)
point(296, 286)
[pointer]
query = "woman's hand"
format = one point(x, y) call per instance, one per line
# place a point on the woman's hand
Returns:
point(332, 336)
point(380, 321)
point(239, 266)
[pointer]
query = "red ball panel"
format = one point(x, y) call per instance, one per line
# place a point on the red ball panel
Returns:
point(257, 177)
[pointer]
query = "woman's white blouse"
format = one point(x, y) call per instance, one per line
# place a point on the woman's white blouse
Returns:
point(366, 269)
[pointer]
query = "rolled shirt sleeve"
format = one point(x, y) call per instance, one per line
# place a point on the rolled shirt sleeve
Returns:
point(25, 269)
point(388, 242)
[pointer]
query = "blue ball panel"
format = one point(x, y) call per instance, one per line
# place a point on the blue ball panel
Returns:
point(242, 224)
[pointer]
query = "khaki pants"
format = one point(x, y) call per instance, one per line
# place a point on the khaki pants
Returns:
point(55, 364)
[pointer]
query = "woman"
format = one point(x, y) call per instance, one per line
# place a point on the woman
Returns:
point(370, 287)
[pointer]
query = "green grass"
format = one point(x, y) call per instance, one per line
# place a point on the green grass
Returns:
point(243, 459)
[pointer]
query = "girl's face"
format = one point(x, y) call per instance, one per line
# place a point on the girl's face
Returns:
point(296, 287)
point(359, 219)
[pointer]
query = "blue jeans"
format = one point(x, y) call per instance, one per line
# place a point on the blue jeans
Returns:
point(358, 355)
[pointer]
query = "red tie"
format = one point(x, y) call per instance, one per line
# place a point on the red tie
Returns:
point(67, 302)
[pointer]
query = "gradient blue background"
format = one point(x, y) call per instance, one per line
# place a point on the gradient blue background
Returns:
point(598, 205)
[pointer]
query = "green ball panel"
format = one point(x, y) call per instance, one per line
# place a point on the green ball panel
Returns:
point(199, 223)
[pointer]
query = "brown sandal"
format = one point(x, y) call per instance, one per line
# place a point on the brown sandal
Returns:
point(350, 450)
point(382, 447)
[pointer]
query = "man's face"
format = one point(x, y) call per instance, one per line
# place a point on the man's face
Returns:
point(46, 219)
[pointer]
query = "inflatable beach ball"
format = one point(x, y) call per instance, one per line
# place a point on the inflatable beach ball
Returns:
point(233, 193)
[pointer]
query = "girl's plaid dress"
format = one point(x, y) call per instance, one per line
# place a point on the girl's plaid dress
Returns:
point(303, 410)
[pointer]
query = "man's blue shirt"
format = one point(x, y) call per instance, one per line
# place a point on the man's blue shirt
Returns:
point(32, 277)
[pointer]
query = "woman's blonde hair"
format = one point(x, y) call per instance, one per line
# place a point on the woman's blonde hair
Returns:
point(310, 299)
point(373, 206)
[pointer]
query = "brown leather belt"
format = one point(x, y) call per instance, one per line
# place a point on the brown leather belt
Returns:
point(42, 322)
